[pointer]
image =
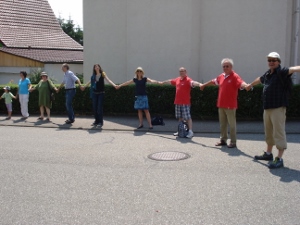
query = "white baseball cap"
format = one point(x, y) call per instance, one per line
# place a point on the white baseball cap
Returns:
point(273, 55)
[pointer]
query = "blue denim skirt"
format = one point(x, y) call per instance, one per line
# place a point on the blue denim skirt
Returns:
point(141, 102)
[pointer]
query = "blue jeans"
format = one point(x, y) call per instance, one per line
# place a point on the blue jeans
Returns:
point(98, 107)
point(69, 99)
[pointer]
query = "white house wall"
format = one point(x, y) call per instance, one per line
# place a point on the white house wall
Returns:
point(53, 70)
point(11, 74)
point(162, 35)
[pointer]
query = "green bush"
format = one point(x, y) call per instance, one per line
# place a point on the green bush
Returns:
point(161, 102)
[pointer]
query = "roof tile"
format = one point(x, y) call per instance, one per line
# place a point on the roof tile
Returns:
point(47, 55)
point(32, 23)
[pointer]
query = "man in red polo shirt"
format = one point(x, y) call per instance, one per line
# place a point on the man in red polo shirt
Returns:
point(229, 83)
point(183, 98)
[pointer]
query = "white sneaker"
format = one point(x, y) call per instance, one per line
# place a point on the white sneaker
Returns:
point(176, 134)
point(190, 134)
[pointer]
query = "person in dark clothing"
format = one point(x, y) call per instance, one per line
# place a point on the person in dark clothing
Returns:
point(141, 102)
point(275, 101)
point(97, 93)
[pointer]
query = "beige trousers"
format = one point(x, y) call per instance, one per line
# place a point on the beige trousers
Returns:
point(274, 122)
point(227, 116)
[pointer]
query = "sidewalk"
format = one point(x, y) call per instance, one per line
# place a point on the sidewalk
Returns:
point(130, 124)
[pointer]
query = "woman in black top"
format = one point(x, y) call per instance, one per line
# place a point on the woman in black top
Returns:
point(97, 93)
point(141, 102)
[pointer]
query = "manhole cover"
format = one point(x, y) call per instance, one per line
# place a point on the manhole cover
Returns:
point(168, 156)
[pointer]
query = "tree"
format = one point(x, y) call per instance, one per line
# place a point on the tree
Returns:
point(69, 28)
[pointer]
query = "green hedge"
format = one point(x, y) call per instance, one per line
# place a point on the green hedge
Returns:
point(161, 100)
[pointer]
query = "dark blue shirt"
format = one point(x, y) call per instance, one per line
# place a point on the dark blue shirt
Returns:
point(140, 86)
point(274, 92)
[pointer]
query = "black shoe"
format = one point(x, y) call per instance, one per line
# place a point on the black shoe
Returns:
point(70, 121)
point(264, 156)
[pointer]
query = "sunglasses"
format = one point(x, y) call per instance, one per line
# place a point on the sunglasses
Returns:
point(139, 71)
point(226, 66)
point(272, 60)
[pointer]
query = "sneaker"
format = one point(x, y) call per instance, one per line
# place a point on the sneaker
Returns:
point(264, 156)
point(190, 134)
point(69, 121)
point(94, 124)
point(99, 125)
point(231, 145)
point(277, 163)
point(175, 134)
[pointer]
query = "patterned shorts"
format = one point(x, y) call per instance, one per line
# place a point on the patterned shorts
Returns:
point(183, 111)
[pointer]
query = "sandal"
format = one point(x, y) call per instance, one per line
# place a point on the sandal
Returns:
point(139, 127)
point(40, 118)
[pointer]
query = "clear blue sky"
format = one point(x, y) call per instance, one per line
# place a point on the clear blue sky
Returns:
point(68, 8)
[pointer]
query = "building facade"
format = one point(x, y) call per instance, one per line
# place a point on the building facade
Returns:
point(163, 35)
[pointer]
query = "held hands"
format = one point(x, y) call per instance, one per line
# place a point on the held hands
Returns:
point(201, 86)
point(248, 87)
point(82, 88)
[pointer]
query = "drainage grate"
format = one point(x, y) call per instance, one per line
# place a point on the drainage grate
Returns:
point(169, 156)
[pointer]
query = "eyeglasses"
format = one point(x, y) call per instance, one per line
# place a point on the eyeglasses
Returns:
point(226, 66)
point(272, 60)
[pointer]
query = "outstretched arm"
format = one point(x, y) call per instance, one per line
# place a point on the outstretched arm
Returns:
point(253, 83)
point(243, 85)
point(109, 81)
point(124, 84)
point(196, 84)
point(165, 82)
point(208, 83)
point(294, 69)
point(152, 81)
point(85, 86)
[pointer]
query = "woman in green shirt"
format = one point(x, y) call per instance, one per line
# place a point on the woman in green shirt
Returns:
point(44, 87)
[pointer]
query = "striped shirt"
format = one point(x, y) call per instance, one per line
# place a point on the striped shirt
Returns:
point(69, 80)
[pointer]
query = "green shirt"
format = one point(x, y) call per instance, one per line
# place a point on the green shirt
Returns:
point(8, 96)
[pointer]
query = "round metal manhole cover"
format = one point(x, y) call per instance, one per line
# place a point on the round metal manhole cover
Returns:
point(169, 156)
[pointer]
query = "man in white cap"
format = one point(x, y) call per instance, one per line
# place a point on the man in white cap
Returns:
point(275, 101)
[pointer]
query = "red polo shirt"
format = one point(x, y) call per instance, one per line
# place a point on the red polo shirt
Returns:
point(183, 90)
point(228, 90)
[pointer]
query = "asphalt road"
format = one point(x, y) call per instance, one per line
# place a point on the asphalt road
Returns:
point(71, 176)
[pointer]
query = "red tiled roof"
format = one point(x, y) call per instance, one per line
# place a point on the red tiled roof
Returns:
point(32, 23)
point(47, 55)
